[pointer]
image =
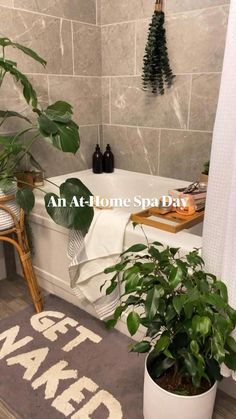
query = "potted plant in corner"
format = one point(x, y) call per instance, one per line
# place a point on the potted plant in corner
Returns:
point(53, 124)
point(188, 324)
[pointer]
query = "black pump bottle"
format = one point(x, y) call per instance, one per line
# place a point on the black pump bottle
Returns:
point(108, 160)
point(97, 160)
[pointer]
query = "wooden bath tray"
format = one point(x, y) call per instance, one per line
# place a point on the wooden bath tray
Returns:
point(171, 222)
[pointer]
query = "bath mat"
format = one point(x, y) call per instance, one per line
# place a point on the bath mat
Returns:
point(63, 363)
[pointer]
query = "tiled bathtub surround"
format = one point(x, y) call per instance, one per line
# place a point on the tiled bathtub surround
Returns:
point(67, 34)
point(169, 135)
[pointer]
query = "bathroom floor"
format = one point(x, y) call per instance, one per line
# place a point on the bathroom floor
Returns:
point(14, 297)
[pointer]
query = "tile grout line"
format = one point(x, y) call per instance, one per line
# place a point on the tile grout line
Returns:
point(109, 101)
point(159, 153)
point(116, 76)
point(190, 100)
point(159, 128)
point(177, 74)
point(47, 15)
point(168, 14)
point(63, 75)
point(135, 48)
point(49, 98)
point(72, 48)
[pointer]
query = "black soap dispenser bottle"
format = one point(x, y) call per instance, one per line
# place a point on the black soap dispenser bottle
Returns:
point(97, 160)
point(108, 160)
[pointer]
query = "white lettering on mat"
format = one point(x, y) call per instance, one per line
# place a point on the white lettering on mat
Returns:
point(31, 361)
point(52, 377)
point(50, 324)
point(60, 327)
point(84, 335)
point(74, 393)
point(41, 321)
point(9, 344)
point(101, 398)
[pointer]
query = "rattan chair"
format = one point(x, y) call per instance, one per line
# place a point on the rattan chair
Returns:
point(16, 235)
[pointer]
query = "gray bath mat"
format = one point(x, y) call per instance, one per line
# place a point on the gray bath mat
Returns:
point(65, 364)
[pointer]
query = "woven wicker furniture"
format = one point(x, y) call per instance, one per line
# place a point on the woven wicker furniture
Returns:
point(16, 235)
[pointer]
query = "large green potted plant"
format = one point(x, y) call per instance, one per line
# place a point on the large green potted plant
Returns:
point(53, 124)
point(188, 324)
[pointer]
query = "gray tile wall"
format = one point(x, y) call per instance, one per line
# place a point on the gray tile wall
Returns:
point(67, 34)
point(169, 135)
point(94, 50)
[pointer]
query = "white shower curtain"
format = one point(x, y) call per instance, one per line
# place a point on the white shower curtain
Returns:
point(219, 235)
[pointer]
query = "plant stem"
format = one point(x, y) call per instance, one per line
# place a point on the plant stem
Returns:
point(52, 183)
point(25, 152)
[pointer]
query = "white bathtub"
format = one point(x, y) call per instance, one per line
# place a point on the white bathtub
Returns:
point(51, 261)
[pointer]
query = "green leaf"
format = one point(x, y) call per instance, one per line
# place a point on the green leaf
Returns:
point(5, 42)
point(162, 343)
point(46, 125)
point(190, 364)
point(6, 184)
point(230, 361)
point(188, 309)
point(215, 300)
point(25, 198)
point(213, 369)
point(141, 347)
point(28, 90)
point(135, 249)
point(153, 327)
point(157, 244)
point(78, 218)
point(194, 347)
point(178, 302)
point(133, 322)
point(163, 366)
point(176, 276)
point(118, 267)
point(59, 111)
point(231, 342)
point(218, 351)
point(170, 313)
point(60, 129)
point(201, 325)
point(148, 267)
point(154, 252)
point(131, 278)
point(118, 311)
point(111, 288)
point(223, 290)
point(110, 324)
point(152, 301)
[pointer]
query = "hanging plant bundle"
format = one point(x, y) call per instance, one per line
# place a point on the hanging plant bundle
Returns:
point(157, 74)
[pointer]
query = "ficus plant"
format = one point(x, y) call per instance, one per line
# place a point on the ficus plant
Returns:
point(185, 314)
point(53, 124)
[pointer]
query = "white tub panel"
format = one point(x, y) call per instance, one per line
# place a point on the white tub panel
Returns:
point(50, 240)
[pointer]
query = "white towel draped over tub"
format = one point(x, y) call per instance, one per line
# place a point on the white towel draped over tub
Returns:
point(91, 254)
point(219, 236)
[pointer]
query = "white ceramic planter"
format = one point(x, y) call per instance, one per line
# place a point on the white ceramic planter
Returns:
point(6, 220)
point(160, 404)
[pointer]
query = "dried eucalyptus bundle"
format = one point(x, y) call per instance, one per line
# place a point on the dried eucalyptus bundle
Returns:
point(157, 74)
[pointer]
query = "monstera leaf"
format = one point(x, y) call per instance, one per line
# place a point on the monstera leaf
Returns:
point(6, 42)
point(56, 124)
point(78, 218)
point(25, 198)
point(28, 90)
